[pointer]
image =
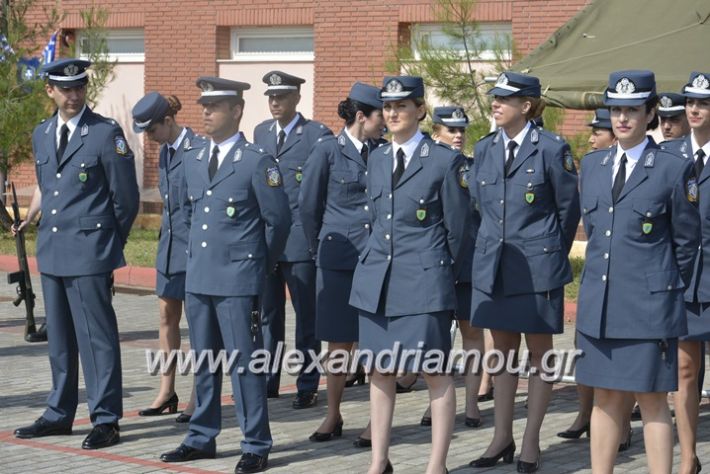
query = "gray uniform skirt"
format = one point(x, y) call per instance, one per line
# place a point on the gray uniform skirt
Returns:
point(170, 286)
point(534, 313)
point(634, 365)
point(419, 333)
point(698, 322)
point(336, 320)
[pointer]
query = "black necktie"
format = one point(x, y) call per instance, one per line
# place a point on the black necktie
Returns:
point(212, 168)
point(364, 152)
point(399, 169)
point(699, 163)
point(511, 155)
point(171, 153)
point(619, 180)
point(280, 141)
point(63, 139)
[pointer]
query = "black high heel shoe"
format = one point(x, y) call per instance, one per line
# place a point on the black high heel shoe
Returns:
point(626, 445)
point(486, 396)
point(170, 405)
point(574, 434)
point(388, 468)
point(524, 466)
point(358, 379)
point(698, 467)
point(362, 442)
point(506, 454)
point(336, 433)
point(405, 388)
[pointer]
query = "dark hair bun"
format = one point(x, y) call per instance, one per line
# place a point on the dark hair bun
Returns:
point(174, 103)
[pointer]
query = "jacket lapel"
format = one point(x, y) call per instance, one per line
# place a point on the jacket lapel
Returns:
point(50, 141)
point(498, 149)
point(77, 140)
point(227, 167)
point(604, 175)
point(415, 163)
point(203, 159)
point(639, 174)
point(185, 144)
point(294, 136)
point(527, 149)
point(347, 147)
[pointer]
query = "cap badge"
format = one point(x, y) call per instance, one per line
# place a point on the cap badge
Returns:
point(71, 70)
point(206, 86)
point(394, 86)
point(701, 82)
point(275, 79)
point(666, 101)
point(625, 86)
point(457, 114)
point(502, 80)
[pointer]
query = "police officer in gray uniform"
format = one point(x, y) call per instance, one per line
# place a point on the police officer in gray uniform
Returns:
point(155, 115)
point(289, 137)
point(404, 283)
point(695, 147)
point(239, 219)
point(89, 198)
point(643, 229)
point(524, 185)
point(333, 208)
point(671, 114)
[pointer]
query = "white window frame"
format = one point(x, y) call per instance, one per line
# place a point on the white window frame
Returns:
point(484, 28)
point(127, 33)
point(270, 32)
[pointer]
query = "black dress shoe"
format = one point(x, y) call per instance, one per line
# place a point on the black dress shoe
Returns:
point(102, 436)
point(486, 396)
point(251, 462)
point(524, 466)
point(574, 434)
point(185, 453)
point(472, 422)
point(358, 378)
point(362, 442)
point(305, 400)
point(336, 433)
point(506, 454)
point(183, 418)
point(626, 445)
point(42, 427)
point(170, 405)
point(405, 388)
point(636, 413)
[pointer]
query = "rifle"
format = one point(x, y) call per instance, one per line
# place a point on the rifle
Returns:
point(23, 279)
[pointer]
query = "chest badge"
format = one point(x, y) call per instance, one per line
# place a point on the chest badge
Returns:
point(530, 197)
point(299, 175)
point(231, 211)
point(83, 176)
point(647, 227)
point(421, 214)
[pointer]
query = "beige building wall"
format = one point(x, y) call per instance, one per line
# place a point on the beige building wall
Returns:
point(117, 100)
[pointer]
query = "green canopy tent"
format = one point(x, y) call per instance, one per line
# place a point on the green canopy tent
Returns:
point(669, 37)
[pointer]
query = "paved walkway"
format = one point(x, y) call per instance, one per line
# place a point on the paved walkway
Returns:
point(25, 380)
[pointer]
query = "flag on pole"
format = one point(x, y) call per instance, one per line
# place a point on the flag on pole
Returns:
point(50, 50)
point(5, 47)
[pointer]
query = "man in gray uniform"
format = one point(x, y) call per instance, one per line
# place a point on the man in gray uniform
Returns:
point(88, 195)
point(290, 138)
point(239, 220)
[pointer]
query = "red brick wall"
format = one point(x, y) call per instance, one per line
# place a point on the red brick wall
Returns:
point(353, 40)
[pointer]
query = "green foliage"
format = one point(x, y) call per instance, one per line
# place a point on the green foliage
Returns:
point(456, 75)
point(23, 103)
point(95, 48)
